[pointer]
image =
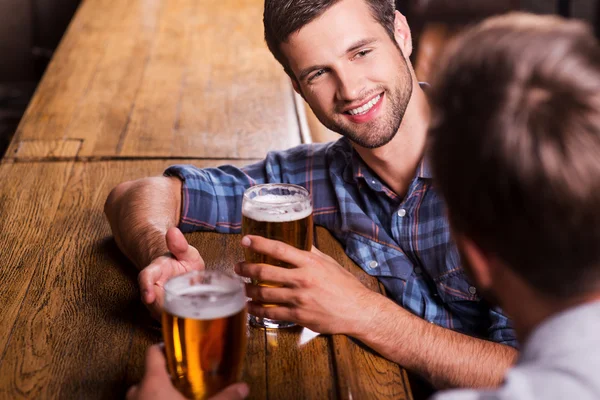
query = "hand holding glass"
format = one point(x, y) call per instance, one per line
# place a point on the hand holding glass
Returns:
point(279, 212)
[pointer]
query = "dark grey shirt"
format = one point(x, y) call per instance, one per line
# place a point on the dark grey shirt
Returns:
point(560, 360)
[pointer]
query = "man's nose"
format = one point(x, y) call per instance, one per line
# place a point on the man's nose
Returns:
point(349, 86)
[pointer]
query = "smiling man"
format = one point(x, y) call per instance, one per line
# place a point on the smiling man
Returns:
point(372, 189)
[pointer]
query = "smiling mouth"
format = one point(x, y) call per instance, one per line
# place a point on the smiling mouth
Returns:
point(365, 108)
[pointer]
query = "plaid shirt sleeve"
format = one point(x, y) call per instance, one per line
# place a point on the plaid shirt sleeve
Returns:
point(500, 329)
point(212, 197)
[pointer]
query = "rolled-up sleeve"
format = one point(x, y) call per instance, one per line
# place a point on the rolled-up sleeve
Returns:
point(212, 197)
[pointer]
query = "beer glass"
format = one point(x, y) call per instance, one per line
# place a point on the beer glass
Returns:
point(281, 212)
point(204, 329)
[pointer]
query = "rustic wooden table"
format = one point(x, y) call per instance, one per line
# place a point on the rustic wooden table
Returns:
point(136, 86)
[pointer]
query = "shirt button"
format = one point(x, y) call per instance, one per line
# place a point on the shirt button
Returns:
point(472, 290)
point(373, 181)
point(401, 212)
point(373, 264)
point(417, 270)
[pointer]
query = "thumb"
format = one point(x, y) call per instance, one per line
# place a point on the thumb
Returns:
point(156, 365)
point(237, 391)
point(181, 250)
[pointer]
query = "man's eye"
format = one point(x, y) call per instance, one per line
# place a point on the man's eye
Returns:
point(316, 75)
point(362, 53)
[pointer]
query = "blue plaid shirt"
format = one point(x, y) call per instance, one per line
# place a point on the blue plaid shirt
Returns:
point(404, 242)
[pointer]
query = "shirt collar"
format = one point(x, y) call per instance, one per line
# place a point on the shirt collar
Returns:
point(424, 169)
point(360, 173)
point(562, 334)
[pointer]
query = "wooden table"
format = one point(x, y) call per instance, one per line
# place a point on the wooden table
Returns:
point(73, 325)
point(161, 78)
point(136, 86)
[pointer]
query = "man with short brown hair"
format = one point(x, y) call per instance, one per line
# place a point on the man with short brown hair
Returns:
point(515, 148)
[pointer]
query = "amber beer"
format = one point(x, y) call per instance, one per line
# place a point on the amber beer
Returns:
point(204, 329)
point(280, 212)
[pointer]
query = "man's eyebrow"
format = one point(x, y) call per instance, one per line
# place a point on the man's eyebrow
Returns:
point(355, 46)
point(359, 44)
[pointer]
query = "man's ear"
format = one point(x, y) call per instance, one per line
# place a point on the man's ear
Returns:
point(402, 34)
point(476, 263)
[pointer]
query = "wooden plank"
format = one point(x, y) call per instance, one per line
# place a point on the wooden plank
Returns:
point(298, 369)
point(67, 78)
point(79, 310)
point(162, 78)
point(30, 150)
point(105, 112)
point(27, 208)
point(149, 132)
point(378, 377)
point(226, 97)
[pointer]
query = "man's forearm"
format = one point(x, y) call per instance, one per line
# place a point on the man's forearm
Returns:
point(140, 213)
point(443, 357)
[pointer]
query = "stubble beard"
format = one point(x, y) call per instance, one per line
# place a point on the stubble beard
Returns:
point(380, 132)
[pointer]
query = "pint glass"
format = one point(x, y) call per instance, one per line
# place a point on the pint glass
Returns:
point(204, 329)
point(280, 212)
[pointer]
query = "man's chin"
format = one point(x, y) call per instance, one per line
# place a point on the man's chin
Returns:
point(364, 137)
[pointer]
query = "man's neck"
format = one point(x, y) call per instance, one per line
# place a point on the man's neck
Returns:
point(396, 162)
point(539, 307)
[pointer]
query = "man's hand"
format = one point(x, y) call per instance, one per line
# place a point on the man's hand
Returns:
point(156, 384)
point(319, 294)
point(182, 258)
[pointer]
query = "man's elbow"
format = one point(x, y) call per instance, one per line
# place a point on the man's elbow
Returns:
point(114, 197)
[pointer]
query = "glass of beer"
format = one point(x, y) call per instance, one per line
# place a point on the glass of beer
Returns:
point(281, 212)
point(204, 329)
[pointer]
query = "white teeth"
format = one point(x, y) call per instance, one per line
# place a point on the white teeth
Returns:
point(365, 108)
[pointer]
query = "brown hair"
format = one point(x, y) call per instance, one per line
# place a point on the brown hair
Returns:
point(281, 18)
point(515, 147)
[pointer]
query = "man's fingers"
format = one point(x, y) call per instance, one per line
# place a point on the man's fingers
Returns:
point(281, 312)
point(278, 250)
point(237, 391)
point(156, 365)
point(269, 295)
point(265, 273)
point(182, 251)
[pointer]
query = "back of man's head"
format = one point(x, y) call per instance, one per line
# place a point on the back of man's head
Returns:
point(282, 18)
point(515, 147)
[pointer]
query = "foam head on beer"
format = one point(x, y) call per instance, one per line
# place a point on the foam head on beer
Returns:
point(206, 301)
point(204, 329)
point(274, 208)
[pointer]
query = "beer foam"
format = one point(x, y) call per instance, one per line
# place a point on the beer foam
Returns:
point(271, 208)
point(205, 302)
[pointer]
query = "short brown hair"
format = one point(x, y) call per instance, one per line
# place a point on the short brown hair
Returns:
point(281, 18)
point(515, 147)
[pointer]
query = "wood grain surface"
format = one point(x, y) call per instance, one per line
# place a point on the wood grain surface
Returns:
point(164, 78)
point(73, 325)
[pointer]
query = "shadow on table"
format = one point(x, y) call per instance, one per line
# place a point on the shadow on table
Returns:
point(143, 330)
